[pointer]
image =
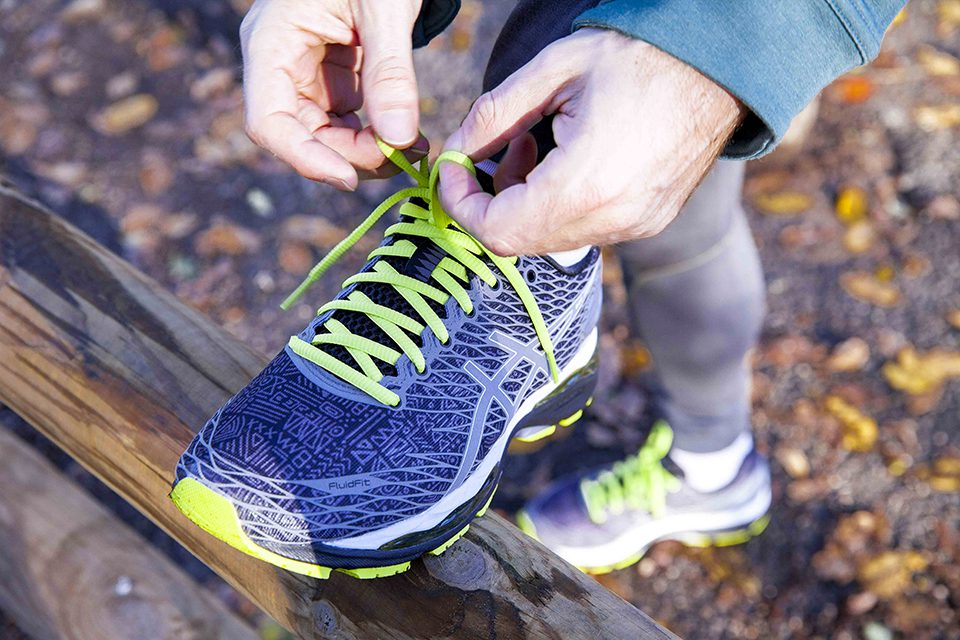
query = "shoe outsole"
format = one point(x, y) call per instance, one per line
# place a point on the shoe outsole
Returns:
point(550, 430)
point(700, 539)
point(217, 516)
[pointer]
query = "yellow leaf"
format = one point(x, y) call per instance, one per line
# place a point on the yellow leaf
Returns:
point(890, 573)
point(916, 374)
point(783, 203)
point(937, 117)
point(851, 205)
point(938, 63)
point(866, 287)
point(859, 430)
point(942, 475)
point(948, 12)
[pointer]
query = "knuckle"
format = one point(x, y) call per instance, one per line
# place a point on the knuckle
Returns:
point(483, 114)
point(392, 73)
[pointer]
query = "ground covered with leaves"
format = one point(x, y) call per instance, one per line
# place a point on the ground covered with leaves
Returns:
point(125, 117)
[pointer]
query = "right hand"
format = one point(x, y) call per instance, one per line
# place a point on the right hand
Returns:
point(309, 65)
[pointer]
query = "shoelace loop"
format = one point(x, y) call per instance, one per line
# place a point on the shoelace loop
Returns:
point(638, 482)
point(450, 278)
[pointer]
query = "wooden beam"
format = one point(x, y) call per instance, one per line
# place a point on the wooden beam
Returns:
point(71, 569)
point(120, 374)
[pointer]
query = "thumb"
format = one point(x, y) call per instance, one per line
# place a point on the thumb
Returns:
point(515, 105)
point(387, 77)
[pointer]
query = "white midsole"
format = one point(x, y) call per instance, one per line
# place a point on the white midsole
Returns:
point(435, 514)
point(637, 540)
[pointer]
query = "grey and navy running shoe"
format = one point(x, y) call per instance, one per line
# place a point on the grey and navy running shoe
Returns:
point(378, 433)
point(605, 519)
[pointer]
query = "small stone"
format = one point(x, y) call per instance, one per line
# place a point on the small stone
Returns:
point(121, 85)
point(80, 10)
point(944, 207)
point(260, 202)
point(793, 461)
point(859, 237)
point(211, 84)
point(850, 355)
point(156, 174)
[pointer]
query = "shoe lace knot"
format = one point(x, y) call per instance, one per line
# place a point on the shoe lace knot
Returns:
point(637, 482)
point(463, 255)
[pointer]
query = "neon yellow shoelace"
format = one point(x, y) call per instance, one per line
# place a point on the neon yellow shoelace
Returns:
point(639, 482)
point(465, 255)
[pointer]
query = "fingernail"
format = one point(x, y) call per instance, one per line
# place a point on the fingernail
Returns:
point(394, 127)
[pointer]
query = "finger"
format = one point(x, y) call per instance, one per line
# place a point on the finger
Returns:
point(359, 147)
point(520, 218)
point(517, 162)
point(334, 89)
point(271, 106)
point(387, 77)
point(510, 109)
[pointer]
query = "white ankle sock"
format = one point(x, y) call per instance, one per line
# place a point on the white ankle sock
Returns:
point(706, 472)
point(570, 258)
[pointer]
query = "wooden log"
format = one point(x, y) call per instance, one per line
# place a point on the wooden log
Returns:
point(120, 374)
point(71, 569)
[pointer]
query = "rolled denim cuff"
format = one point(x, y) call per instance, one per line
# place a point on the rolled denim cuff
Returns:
point(774, 56)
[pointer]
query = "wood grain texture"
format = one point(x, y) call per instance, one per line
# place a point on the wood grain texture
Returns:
point(120, 374)
point(72, 570)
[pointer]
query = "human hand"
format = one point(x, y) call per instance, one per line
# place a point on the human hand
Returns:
point(635, 128)
point(309, 65)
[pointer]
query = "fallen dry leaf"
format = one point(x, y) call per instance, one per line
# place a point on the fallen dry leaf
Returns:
point(851, 205)
point(942, 475)
point(634, 358)
point(852, 89)
point(314, 230)
point(954, 318)
point(859, 430)
point(295, 258)
point(850, 355)
point(783, 203)
point(937, 117)
point(916, 374)
point(867, 287)
point(938, 63)
point(126, 114)
point(227, 239)
point(948, 14)
point(890, 573)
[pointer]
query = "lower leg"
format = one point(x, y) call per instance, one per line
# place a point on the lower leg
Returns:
point(696, 293)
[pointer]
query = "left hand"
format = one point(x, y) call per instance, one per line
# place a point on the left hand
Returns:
point(635, 128)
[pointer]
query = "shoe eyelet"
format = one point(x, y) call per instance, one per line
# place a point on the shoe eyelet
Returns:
point(496, 285)
point(531, 276)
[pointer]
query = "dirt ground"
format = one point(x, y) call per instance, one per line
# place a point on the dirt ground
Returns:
point(124, 116)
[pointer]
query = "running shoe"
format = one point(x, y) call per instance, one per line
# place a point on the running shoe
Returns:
point(378, 433)
point(606, 518)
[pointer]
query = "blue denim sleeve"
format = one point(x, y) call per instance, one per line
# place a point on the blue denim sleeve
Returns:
point(775, 56)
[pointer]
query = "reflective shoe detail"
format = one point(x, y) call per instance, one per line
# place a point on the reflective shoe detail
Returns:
point(560, 517)
point(322, 471)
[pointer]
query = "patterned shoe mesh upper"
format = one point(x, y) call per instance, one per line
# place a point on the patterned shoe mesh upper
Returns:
point(307, 459)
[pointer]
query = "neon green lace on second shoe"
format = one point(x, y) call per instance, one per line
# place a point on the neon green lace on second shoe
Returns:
point(638, 482)
point(465, 256)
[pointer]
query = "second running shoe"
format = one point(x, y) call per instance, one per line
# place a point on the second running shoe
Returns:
point(377, 434)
